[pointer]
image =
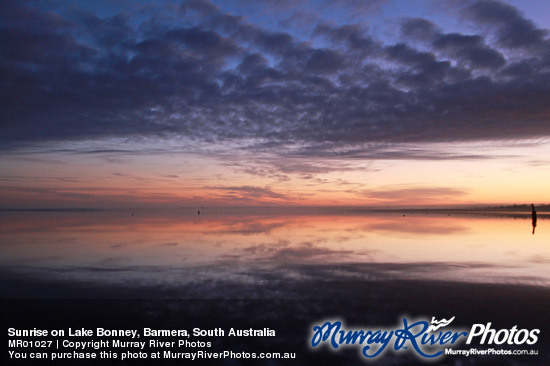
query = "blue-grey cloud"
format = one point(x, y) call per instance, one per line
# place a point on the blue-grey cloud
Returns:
point(511, 27)
point(214, 76)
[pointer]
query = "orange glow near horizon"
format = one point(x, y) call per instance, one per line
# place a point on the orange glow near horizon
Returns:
point(506, 176)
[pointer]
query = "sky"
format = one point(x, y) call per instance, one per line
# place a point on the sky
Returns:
point(380, 103)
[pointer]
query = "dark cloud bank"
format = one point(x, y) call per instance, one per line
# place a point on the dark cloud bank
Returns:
point(71, 74)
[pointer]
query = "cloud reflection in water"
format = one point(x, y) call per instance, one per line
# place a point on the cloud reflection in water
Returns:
point(257, 253)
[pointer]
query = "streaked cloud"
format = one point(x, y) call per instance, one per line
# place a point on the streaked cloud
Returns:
point(410, 194)
point(247, 192)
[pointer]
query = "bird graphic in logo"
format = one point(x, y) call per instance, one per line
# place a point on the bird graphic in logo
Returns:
point(439, 324)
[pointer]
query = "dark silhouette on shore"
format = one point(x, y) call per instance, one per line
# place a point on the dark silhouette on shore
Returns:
point(533, 217)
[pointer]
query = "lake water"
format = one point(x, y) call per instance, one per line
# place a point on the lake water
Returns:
point(269, 252)
point(284, 269)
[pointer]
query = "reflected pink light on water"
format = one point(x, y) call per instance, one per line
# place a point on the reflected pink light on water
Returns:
point(484, 247)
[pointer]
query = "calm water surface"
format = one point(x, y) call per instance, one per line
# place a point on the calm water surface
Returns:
point(269, 246)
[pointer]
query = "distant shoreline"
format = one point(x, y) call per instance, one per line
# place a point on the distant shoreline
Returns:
point(542, 210)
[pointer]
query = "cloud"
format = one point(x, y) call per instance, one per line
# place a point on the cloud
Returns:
point(248, 192)
point(205, 74)
point(200, 6)
point(512, 29)
point(418, 194)
point(419, 29)
point(469, 49)
point(206, 44)
point(350, 35)
point(539, 259)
